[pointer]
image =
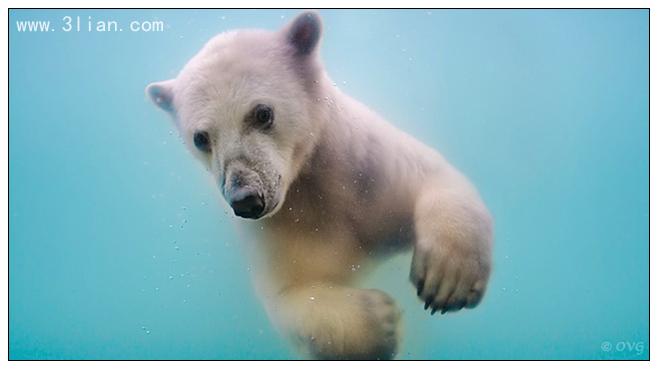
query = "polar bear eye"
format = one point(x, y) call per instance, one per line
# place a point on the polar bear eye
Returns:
point(202, 141)
point(263, 116)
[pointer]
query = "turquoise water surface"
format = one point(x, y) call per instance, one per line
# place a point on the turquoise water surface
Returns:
point(121, 249)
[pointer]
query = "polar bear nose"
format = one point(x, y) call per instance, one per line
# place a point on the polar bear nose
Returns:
point(247, 203)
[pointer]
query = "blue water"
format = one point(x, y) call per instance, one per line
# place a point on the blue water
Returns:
point(120, 248)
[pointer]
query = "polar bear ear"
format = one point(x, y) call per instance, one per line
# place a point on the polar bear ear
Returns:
point(304, 32)
point(162, 94)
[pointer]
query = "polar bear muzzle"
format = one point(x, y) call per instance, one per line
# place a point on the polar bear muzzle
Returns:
point(245, 191)
point(247, 203)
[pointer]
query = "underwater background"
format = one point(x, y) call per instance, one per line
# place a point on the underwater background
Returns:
point(120, 246)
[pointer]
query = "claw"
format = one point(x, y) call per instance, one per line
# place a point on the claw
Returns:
point(427, 303)
point(433, 311)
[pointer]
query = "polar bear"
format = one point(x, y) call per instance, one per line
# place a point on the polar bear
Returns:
point(331, 185)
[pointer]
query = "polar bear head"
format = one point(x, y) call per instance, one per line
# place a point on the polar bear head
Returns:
point(246, 105)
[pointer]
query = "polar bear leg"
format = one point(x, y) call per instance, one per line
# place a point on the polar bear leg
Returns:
point(452, 255)
point(336, 322)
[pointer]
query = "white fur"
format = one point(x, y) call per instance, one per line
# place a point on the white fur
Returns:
point(352, 188)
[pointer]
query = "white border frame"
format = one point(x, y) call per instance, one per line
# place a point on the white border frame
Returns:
point(302, 4)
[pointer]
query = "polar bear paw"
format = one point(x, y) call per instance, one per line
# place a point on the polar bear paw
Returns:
point(451, 275)
point(365, 328)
